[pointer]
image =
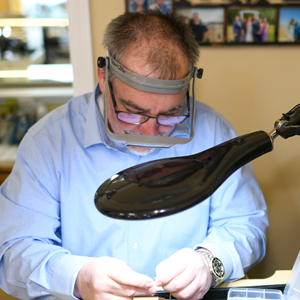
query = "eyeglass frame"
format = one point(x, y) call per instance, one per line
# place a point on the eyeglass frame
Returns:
point(146, 116)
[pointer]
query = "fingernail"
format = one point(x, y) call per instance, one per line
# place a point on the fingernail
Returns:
point(158, 283)
point(149, 284)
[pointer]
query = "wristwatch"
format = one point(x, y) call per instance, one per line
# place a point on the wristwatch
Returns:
point(215, 266)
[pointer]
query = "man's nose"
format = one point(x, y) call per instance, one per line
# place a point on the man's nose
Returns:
point(150, 127)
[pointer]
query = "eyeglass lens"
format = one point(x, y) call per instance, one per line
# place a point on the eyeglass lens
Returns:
point(139, 119)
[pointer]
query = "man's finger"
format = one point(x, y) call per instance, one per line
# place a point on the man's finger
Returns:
point(181, 281)
point(167, 269)
point(119, 272)
point(173, 266)
point(130, 291)
point(194, 291)
point(125, 276)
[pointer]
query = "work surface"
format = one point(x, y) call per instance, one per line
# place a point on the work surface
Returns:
point(277, 281)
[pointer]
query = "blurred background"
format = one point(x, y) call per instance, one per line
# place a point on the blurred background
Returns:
point(251, 86)
point(35, 70)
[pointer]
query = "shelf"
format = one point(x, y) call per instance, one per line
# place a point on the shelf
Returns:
point(37, 92)
point(8, 154)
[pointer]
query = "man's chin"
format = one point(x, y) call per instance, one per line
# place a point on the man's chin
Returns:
point(141, 151)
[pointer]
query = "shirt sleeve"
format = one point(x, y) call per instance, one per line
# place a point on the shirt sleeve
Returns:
point(33, 262)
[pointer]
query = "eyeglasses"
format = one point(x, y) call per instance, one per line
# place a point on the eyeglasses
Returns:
point(132, 118)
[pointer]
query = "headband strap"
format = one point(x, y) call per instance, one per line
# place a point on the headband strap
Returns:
point(152, 85)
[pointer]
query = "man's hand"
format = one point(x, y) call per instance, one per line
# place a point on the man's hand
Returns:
point(108, 278)
point(185, 275)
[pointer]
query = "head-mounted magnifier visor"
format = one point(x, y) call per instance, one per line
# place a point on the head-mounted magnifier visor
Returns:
point(151, 85)
point(136, 119)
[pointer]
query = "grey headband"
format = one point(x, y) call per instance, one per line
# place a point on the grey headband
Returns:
point(152, 85)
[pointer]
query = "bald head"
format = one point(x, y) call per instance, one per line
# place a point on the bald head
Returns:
point(163, 43)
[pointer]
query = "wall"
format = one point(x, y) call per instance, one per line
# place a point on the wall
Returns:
point(252, 87)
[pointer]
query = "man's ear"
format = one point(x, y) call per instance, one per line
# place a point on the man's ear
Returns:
point(101, 79)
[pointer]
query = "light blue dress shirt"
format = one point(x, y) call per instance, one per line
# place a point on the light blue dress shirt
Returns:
point(49, 225)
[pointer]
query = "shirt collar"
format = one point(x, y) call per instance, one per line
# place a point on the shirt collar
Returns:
point(95, 124)
point(92, 131)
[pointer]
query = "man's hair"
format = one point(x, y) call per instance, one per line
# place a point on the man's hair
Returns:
point(162, 37)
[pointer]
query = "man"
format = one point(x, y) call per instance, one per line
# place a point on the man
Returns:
point(289, 32)
point(237, 29)
point(199, 29)
point(256, 29)
point(54, 244)
point(296, 32)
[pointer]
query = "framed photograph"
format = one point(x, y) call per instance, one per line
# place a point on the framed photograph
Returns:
point(251, 25)
point(233, 22)
point(199, 3)
point(207, 23)
point(284, 2)
point(289, 25)
point(164, 6)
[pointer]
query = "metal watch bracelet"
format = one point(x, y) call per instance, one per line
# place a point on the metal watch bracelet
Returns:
point(215, 266)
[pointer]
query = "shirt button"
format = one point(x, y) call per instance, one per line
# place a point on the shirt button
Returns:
point(135, 245)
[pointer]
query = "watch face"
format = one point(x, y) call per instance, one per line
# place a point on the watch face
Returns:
point(218, 268)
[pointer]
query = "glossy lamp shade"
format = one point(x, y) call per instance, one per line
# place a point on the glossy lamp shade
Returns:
point(167, 186)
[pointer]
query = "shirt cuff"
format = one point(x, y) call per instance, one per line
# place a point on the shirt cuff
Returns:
point(220, 251)
point(65, 272)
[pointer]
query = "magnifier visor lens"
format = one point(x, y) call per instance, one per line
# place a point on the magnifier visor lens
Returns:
point(131, 118)
point(170, 120)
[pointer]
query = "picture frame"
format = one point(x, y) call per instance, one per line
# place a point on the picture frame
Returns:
point(164, 6)
point(289, 25)
point(207, 23)
point(257, 25)
point(233, 22)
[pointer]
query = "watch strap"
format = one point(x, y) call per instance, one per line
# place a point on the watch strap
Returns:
point(215, 266)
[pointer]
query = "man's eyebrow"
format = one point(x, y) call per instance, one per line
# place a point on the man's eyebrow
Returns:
point(129, 103)
point(172, 110)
